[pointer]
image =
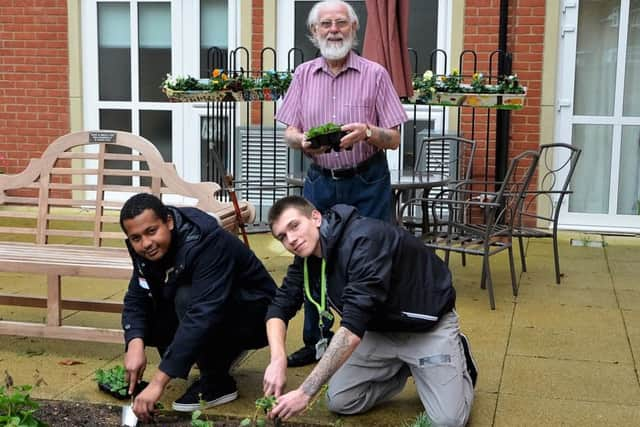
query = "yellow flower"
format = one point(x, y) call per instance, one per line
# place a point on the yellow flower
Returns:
point(224, 77)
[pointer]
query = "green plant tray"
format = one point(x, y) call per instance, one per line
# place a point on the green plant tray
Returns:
point(249, 95)
point(139, 387)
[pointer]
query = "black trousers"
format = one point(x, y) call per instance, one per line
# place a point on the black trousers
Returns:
point(241, 329)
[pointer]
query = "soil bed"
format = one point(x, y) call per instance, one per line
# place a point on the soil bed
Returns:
point(62, 413)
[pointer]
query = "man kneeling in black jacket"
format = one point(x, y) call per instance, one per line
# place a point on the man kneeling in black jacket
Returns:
point(397, 306)
point(197, 294)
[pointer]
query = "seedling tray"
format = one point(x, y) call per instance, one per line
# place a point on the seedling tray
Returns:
point(139, 387)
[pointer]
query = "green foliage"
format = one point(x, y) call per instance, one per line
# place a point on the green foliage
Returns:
point(422, 420)
point(197, 422)
point(272, 79)
point(450, 83)
point(510, 84)
point(264, 405)
point(17, 408)
point(428, 83)
point(323, 130)
point(113, 379)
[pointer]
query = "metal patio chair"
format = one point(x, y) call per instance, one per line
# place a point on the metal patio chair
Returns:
point(450, 156)
point(477, 221)
point(557, 163)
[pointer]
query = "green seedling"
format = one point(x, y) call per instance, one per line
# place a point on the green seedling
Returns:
point(422, 420)
point(323, 130)
point(263, 406)
point(17, 408)
point(113, 379)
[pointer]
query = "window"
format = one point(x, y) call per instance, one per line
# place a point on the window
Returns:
point(129, 47)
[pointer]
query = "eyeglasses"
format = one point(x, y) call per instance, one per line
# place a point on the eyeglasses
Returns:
point(327, 24)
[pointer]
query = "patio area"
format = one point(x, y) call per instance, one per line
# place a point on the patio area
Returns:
point(555, 355)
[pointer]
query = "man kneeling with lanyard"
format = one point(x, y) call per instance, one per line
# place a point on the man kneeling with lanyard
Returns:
point(397, 305)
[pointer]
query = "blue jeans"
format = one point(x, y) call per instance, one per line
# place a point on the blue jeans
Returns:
point(369, 192)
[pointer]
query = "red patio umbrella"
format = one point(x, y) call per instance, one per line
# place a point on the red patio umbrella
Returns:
point(385, 40)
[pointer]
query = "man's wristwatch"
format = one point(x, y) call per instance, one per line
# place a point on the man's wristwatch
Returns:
point(367, 132)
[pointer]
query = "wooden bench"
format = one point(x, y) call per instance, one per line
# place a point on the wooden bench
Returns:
point(60, 217)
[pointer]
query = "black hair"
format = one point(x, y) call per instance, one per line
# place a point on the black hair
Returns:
point(297, 202)
point(140, 203)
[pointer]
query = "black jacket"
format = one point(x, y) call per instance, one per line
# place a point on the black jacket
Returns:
point(379, 277)
point(225, 277)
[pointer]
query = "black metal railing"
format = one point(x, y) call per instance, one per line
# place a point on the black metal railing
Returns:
point(245, 141)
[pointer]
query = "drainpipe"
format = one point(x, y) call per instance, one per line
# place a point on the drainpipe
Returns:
point(503, 117)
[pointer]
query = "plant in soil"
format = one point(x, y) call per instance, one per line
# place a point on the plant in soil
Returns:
point(263, 406)
point(17, 408)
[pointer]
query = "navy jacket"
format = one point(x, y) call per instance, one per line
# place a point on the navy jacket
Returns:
point(225, 277)
point(379, 277)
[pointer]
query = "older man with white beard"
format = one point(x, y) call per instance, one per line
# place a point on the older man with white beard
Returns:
point(346, 89)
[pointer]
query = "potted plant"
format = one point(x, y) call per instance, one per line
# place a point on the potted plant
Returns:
point(112, 381)
point(326, 135)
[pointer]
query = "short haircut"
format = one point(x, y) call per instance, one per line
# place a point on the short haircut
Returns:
point(314, 13)
point(297, 202)
point(140, 203)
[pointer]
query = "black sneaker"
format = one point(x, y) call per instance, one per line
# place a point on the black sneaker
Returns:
point(304, 356)
point(472, 366)
point(211, 394)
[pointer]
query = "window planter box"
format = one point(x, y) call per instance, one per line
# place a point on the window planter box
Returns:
point(249, 95)
point(476, 100)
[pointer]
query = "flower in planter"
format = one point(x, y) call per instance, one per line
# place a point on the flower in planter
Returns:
point(510, 84)
point(424, 86)
point(181, 83)
point(451, 82)
point(478, 83)
point(219, 80)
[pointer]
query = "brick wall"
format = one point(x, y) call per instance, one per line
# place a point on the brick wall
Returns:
point(257, 44)
point(34, 88)
point(525, 42)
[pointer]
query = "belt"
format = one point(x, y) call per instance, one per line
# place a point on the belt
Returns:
point(342, 173)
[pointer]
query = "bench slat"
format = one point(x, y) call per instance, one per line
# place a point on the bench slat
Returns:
point(50, 198)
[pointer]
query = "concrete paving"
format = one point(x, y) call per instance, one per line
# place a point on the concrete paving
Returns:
point(555, 355)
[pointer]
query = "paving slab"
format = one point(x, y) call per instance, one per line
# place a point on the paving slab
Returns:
point(570, 379)
point(554, 355)
point(534, 411)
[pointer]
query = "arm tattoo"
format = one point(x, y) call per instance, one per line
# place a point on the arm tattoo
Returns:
point(385, 138)
point(342, 345)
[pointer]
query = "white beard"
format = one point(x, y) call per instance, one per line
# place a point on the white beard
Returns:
point(333, 50)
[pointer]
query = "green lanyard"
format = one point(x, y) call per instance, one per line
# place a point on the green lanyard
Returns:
point(322, 305)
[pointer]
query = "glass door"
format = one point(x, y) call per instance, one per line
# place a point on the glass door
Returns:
point(128, 49)
point(599, 111)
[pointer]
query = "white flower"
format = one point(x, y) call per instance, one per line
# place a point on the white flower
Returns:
point(428, 75)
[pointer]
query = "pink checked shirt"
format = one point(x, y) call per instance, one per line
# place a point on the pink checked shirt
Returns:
point(361, 92)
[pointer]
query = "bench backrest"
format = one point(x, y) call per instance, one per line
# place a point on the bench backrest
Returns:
point(74, 192)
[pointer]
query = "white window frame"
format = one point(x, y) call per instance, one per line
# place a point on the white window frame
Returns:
point(185, 54)
point(565, 119)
